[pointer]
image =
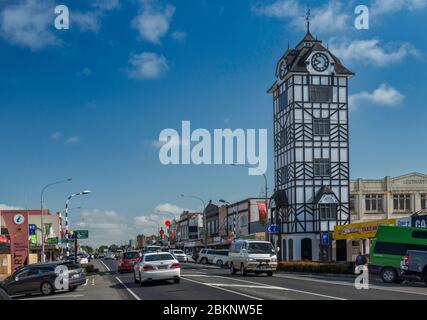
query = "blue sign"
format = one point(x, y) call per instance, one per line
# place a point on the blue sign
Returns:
point(325, 239)
point(32, 229)
point(273, 228)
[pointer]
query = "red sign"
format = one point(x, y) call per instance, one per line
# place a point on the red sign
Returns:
point(17, 225)
point(167, 223)
point(3, 239)
point(262, 213)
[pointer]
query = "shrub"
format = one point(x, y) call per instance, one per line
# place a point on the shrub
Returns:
point(317, 267)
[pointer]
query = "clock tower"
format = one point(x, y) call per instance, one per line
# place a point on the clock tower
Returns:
point(311, 151)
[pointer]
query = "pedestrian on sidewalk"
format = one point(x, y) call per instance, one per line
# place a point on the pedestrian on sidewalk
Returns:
point(361, 260)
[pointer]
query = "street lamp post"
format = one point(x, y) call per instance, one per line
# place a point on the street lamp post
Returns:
point(204, 215)
point(43, 255)
point(66, 220)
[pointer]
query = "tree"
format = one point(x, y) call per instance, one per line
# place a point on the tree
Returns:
point(102, 248)
point(113, 248)
point(87, 249)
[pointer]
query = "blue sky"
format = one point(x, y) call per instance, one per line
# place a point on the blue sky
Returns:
point(90, 102)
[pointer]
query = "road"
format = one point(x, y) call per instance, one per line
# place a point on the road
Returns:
point(212, 283)
point(201, 282)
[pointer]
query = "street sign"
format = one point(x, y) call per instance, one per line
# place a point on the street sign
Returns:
point(32, 229)
point(81, 234)
point(325, 239)
point(273, 228)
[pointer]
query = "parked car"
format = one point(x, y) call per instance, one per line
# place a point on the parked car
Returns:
point(415, 263)
point(157, 266)
point(40, 278)
point(179, 255)
point(109, 256)
point(4, 295)
point(127, 261)
point(206, 256)
point(220, 258)
point(389, 249)
point(83, 259)
point(252, 256)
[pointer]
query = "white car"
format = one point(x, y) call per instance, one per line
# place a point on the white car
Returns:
point(83, 260)
point(157, 266)
point(179, 255)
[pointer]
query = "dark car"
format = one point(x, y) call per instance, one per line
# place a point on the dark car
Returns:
point(41, 277)
point(128, 260)
point(4, 295)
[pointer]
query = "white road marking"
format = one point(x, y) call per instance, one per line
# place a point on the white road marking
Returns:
point(105, 265)
point(347, 284)
point(283, 288)
point(223, 289)
point(129, 290)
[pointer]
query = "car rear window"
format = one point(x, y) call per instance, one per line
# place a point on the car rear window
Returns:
point(130, 255)
point(178, 251)
point(71, 265)
point(159, 257)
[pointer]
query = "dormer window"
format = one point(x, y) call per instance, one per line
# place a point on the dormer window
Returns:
point(308, 44)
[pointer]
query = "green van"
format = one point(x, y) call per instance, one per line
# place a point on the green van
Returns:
point(389, 248)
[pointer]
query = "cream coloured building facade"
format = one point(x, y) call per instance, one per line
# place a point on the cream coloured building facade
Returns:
point(388, 198)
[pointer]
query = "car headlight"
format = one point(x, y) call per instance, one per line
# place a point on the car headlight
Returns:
point(251, 260)
point(273, 260)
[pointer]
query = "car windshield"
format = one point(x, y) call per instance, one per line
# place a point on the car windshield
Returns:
point(260, 247)
point(178, 252)
point(130, 255)
point(159, 257)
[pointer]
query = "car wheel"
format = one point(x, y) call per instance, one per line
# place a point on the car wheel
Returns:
point(219, 263)
point(232, 270)
point(141, 283)
point(72, 289)
point(425, 278)
point(242, 270)
point(270, 273)
point(46, 289)
point(176, 280)
point(204, 261)
point(388, 275)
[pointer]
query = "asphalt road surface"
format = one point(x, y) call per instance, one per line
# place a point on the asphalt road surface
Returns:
point(201, 282)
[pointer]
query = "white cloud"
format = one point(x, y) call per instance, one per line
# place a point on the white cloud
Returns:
point(170, 208)
point(147, 65)
point(179, 36)
point(371, 51)
point(107, 4)
point(73, 140)
point(329, 18)
point(7, 207)
point(105, 226)
point(85, 72)
point(29, 23)
point(153, 20)
point(381, 7)
point(86, 21)
point(56, 136)
point(384, 95)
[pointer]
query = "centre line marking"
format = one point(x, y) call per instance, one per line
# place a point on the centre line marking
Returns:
point(284, 288)
point(223, 289)
point(105, 265)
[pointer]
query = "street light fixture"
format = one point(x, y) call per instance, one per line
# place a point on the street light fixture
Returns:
point(43, 255)
point(204, 214)
point(85, 192)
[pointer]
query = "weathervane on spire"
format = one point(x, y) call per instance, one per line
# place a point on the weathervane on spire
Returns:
point(307, 19)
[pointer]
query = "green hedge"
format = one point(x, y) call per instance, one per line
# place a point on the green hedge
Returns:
point(317, 267)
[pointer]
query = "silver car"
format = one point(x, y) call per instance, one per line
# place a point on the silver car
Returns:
point(179, 255)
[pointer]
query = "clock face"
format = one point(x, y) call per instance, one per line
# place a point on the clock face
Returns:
point(320, 62)
point(282, 69)
point(19, 219)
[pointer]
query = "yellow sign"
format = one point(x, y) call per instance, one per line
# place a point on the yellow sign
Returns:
point(361, 230)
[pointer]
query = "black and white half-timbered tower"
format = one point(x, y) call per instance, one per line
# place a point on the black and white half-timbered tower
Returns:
point(311, 151)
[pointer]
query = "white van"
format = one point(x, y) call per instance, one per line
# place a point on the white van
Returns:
point(252, 256)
